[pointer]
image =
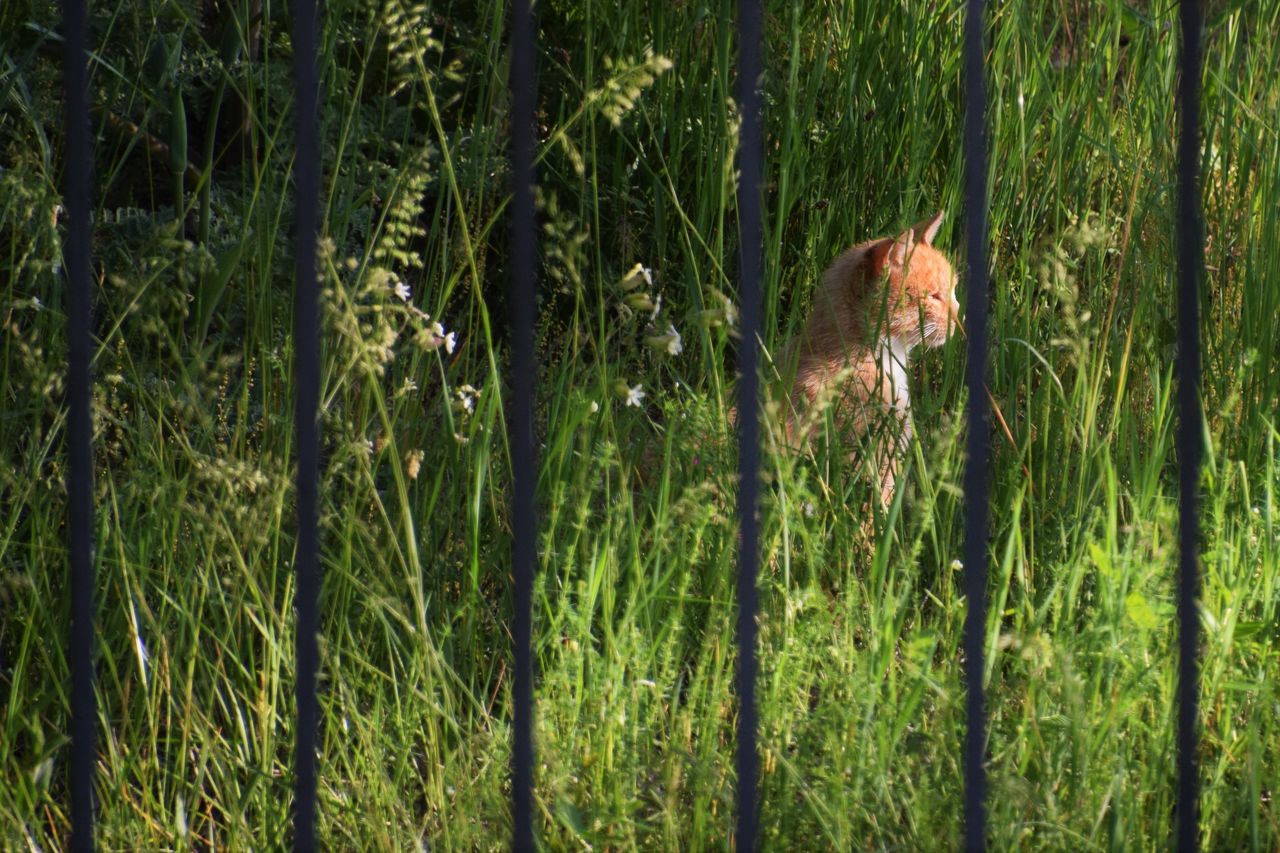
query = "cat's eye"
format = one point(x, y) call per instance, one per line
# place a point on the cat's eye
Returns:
point(936, 295)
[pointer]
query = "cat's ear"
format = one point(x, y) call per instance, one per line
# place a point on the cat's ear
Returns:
point(891, 252)
point(899, 249)
point(928, 229)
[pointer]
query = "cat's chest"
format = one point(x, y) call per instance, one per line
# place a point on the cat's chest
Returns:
point(892, 362)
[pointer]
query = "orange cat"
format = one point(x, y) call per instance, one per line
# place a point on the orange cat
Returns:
point(877, 302)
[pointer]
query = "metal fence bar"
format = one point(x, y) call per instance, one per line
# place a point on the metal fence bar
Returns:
point(751, 171)
point(1190, 430)
point(975, 469)
point(306, 340)
point(523, 451)
point(80, 527)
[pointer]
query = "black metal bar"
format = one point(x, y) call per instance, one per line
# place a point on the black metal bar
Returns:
point(751, 171)
point(1190, 430)
point(80, 529)
point(975, 470)
point(306, 375)
point(524, 284)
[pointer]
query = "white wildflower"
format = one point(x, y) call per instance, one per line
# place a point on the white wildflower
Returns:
point(434, 337)
point(676, 345)
point(637, 275)
point(631, 394)
point(640, 301)
point(726, 314)
point(402, 291)
point(956, 565)
point(594, 407)
point(465, 399)
point(730, 312)
point(671, 342)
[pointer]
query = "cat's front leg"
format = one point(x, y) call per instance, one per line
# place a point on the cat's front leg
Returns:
point(888, 482)
point(898, 439)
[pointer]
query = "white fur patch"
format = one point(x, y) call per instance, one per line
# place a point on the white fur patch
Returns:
point(892, 355)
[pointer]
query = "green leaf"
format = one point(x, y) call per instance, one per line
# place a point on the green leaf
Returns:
point(1140, 611)
point(1101, 559)
point(163, 58)
point(177, 132)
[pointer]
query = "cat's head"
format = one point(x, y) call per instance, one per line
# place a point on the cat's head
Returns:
point(921, 293)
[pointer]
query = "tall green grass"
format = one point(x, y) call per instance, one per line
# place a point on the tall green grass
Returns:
point(861, 693)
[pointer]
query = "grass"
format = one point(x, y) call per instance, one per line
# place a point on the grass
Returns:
point(861, 696)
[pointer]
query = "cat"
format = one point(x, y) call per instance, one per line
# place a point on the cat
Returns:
point(876, 303)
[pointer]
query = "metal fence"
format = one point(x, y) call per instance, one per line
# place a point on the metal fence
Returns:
point(524, 254)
